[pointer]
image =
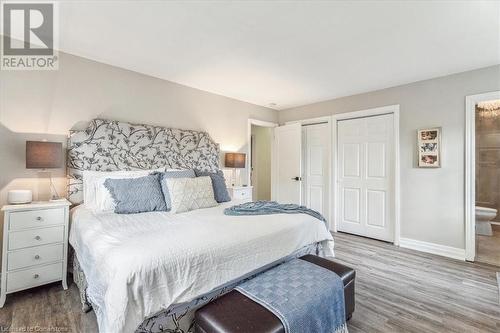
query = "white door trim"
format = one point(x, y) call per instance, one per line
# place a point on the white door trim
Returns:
point(261, 123)
point(310, 121)
point(470, 170)
point(394, 109)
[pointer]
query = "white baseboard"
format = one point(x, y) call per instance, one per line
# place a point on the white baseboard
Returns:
point(440, 250)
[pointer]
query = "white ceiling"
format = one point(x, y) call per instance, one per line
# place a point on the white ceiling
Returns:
point(288, 53)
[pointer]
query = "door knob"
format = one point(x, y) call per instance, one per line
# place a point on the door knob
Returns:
point(37, 237)
point(297, 178)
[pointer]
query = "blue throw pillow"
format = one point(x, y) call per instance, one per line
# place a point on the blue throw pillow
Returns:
point(218, 184)
point(188, 173)
point(137, 195)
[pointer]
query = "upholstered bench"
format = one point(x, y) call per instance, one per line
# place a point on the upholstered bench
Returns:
point(235, 312)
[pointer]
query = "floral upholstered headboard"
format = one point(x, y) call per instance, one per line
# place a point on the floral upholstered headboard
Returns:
point(108, 145)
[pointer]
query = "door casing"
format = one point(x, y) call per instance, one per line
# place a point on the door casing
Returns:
point(470, 170)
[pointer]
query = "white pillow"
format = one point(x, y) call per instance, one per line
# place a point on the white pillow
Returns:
point(190, 193)
point(96, 196)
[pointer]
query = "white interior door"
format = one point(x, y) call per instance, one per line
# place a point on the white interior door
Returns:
point(316, 143)
point(287, 159)
point(253, 169)
point(366, 176)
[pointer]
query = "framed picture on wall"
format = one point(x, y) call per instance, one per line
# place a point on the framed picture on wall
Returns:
point(429, 147)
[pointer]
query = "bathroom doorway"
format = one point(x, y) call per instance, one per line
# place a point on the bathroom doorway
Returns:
point(487, 114)
point(483, 185)
point(260, 158)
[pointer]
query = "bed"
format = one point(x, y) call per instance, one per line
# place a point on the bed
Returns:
point(148, 272)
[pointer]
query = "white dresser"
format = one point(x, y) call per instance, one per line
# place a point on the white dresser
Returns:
point(35, 246)
point(240, 192)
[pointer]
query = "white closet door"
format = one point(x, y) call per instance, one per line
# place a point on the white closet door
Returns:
point(366, 176)
point(288, 169)
point(316, 139)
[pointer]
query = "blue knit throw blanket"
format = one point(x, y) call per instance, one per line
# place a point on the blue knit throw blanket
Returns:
point(306, 298)
point(271, 207)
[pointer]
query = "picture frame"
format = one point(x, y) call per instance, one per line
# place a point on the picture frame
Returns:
point(429, 147)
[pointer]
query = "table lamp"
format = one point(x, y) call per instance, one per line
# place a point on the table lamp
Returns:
point(235, 161)
point(45, 155)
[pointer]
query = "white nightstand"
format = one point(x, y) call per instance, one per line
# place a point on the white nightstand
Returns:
point(240, 192)
point(35, 245)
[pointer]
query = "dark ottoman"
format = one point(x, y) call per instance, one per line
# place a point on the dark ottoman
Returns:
point(235, 312)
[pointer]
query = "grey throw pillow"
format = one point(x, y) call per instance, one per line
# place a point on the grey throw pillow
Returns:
point(137, 195)
point(188, 173)
point(218, 184)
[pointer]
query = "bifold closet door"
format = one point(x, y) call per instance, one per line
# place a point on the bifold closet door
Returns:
point(316, 145)
point(365, 187)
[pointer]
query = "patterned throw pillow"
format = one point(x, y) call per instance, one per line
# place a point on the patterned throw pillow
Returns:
point(137, 195)
point(96, 196)
point(218, 184)
point(188, 173)
point(190, 193)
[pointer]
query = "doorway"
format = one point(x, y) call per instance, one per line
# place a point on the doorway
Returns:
point(366, 164)
point(260, 158)
point(484, 112)
point(483, 178)
point(260, 162)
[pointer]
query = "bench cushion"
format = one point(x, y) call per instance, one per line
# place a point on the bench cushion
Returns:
point(234, 312)
point(347, 274)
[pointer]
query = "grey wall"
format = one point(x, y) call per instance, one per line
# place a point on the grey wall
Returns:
point(45, 105)
point(432, 200)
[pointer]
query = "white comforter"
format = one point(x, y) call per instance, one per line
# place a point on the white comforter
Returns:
point(138, 264)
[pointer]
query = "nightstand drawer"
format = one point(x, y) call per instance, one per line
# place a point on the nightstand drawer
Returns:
point(36, 218)
point(242, 193)
point(34, 237)
point(34, 256)
point(34, 276)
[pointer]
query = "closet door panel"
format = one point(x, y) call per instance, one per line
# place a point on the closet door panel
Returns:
point(316, 139)
point(366, 176)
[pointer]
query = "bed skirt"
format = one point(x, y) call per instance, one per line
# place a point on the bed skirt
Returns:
point(179, 318)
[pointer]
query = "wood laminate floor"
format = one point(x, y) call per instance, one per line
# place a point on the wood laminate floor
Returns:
point(401, 290)
point(397, 290)
point(488, 247)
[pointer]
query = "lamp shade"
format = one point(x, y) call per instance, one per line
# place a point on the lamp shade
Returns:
point(43, 155)
point(235, 160)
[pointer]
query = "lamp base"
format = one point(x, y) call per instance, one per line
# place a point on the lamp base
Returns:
point(237, 180)
point(57, 199)
point(19, 196)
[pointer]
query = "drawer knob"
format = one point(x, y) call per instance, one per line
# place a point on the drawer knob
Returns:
point(38, 238)
point(36, 276)
point(39, 218)
point(37, 257)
